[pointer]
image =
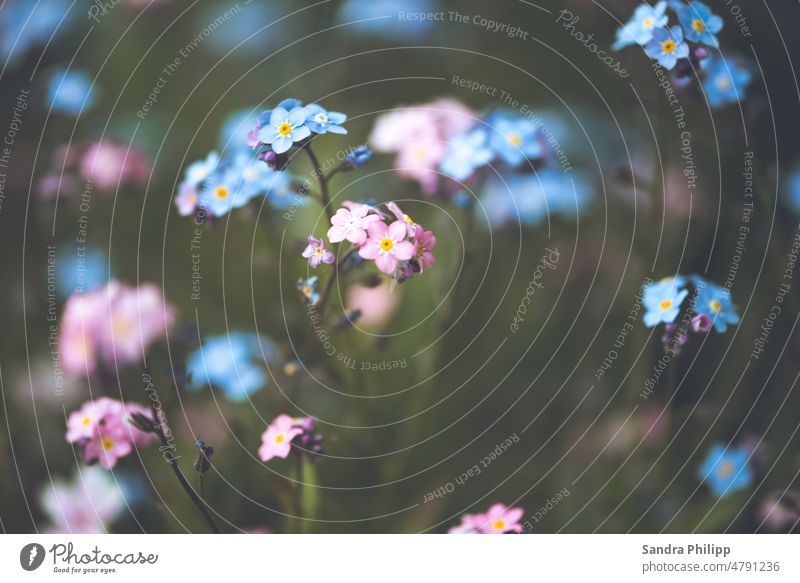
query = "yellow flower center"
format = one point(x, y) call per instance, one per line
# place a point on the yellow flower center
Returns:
point(306, 291)
point(107, 444)
point(724, 82)
point(514, 139)
point(408, 219)
point(221, 192)
point(86, 421)
point(319, 250)
point(665, 305)
point(648, 22)
point(280, 438)
point(193, 199)
point(726, 469)
point(284, 129)
point(668, 47)
point(499, 524)
point(121, 327)
point(387, 244)
point(698, 25)
point(715, 306)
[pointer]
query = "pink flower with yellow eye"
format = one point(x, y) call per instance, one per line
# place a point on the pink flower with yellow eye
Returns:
point(82, 423)
point(424, 242)
point(111, 441)
point(387, 245)
point(276, 441)
point(501, 519)
point(351, 224)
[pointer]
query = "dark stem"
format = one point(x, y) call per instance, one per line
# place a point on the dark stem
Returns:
point(172, 461)
point(323, 181)
point(332, 280)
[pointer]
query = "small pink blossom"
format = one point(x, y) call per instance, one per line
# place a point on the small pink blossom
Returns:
point(501, 519)
point(376, 304)
point(276, 441)
point(81, 424)
point(351, 224)
point(317, 253)
point(469, 525)
point(186, 200)
point(109, 443)
point(387, 245)
point(424, 242)
point(401, 216)
point(108, 164)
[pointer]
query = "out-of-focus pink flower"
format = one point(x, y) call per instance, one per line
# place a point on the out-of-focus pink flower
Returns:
point(276, 441)
point(419, 135)
point(186, 200)
point(469, 525)
point(376, 304)
point(86, 505)
point(351, 224)
point(113, 324)
point(109, 443)
point(108, 164)
point(424, 242)
point(778, 516)
point(500, 519)
point(81, 424)
point(387, 245)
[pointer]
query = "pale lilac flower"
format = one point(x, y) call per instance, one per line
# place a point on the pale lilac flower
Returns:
point(424, 242)
point(387, 245)
point(351, 224)
point(501, 519)
point(317, 253)
point(86, 505)
point(276, 441)
point(186, 200)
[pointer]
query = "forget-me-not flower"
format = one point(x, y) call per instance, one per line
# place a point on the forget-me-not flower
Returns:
point(466, 153)
point(639, 29)
point(725, 80)
point(667, 46)
point(284, 129)
point(726, 470)
point(321, 121)
point(700, 24)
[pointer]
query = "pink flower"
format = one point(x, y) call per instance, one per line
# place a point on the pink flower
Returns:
point(86, 505)
point(186, 200)
point(376, 304)
point(276, 441)
point(469, 525)
point(387, 245)
point(500, 519)
point(81, 424)
point(401, 216)
point(351, 224)
point(424, 242)
point(108, 164)
point(109, 443)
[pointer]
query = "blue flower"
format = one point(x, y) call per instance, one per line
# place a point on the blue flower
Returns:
point(308, 289)
point(514, 139)
point(467, 152)
point(321, 121)
point(715, 302)
point(284, 129)
point(667, 46)
point(357, 158)
point(662, 301)
point(725, 80)
point(70, 92)
point(794, 190)
point(26, 24)
point(726, 470)
point(231, 362)
point(198, 172)
point(382, 19)
point(699, 22)
point(81, 271)
point(639, 29)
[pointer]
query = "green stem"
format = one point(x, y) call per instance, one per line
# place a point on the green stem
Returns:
point(323, 181)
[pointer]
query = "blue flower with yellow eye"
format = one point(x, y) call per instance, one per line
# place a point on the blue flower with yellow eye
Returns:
point(308, 289)
point(726, 470)
point(725, 80)
point(70, 92)
point(639, 29)
point(514, 139)
point(662, 301)
point(700, 24)
point(198, 172)
point(667, 46)
point(284, 129)
point(466, 153)
point(321, 121)
point(715, 302)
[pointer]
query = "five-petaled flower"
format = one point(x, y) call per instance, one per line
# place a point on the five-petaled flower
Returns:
point(284, 129)
point(726, 470)
point(715, 302)
point(667, 46)
point(639, 29)
point(662, 300)
point(317, 253)
point(700, 24)
point(276, 441)
point(387, 245)
point(321, 121)
point(308, 289)
point(424, 242)
point(351, 224)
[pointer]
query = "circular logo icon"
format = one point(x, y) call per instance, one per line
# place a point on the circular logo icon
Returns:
point(31, 556)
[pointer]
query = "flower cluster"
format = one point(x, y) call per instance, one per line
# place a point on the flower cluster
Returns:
point(103, 430)
point(231, 363)
point(70, 92)
point(292, 123)
point(277, 440)
point(499, 519)
point(724, 81)
point(111, 325)
point(726, 470)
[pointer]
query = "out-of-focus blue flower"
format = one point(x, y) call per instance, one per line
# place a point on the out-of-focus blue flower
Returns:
point(715, 302)
point(639, 29)
point(235, 129)
point(70, 92)
point(382, 18)
point(461, 199)
point(80, 271)
point(514, 138)
point(247, 32)
point(308, 289)
point(700, 24)
point(284, 129)
point(232, 362)
point(321, 121)
point(199, 171)
point(466, 153)
point(662, 301)
point(793, 187)
point(726, 470)
point(725, 80)
point(667, 46)
point(357, 158)
point(24, 24)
